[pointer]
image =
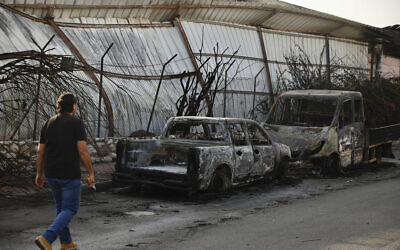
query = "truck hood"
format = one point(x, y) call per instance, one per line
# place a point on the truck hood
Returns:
point(301, 140)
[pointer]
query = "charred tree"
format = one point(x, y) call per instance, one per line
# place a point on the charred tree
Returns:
point(213, 70)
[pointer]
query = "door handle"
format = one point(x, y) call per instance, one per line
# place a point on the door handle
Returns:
point(239, 153)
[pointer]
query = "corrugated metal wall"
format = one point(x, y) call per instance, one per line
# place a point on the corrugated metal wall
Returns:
point(136, 51)
point(141, 51)
point(351, 53)
point(204, 37)
point(343, 52)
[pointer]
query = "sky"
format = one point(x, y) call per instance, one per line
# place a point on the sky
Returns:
point(378, 13)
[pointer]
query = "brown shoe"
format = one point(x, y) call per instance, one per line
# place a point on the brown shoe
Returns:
point(42, 243)
point(69, 246)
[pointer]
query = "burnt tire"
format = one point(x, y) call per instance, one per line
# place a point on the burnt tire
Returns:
point(378, 155)
point(332, 166)
point(220, 181)
point(281, 171)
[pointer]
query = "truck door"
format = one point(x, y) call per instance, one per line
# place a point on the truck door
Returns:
point(243, 153)
point(359, 130)
point(346, 134)
point(264, 156)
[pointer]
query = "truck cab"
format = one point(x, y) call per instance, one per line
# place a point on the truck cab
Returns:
point(326, 127)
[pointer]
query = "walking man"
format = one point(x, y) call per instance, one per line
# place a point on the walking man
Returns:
point(62, 143)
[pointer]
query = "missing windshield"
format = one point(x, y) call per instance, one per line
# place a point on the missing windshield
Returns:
point(196, 131)
point(303, 112)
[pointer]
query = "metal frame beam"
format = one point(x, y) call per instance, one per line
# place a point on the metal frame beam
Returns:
point(328, 58)
point(194, 62)
point(189, 6)
point(334, 29)
point(273, 12)
point(119, 25)
point(74, 50)
point(13, 9)
point(266, 65)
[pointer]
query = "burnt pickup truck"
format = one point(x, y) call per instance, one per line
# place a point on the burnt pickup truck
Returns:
point(201, 154)
point(328, 128)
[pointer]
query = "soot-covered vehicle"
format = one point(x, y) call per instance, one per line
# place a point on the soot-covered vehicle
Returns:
point(329, 129)
point(201, 153)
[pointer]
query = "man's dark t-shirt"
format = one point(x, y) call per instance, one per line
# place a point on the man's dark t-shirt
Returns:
point(60, 134)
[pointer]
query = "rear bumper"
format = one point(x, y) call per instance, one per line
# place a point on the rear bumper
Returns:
point(159, 179)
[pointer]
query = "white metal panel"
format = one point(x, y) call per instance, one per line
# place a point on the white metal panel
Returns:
point(138, 51)
point(281, 45)
point(245, 40)
point(349, 53)
point(17, 33)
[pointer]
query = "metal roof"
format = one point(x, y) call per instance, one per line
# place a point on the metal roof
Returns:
point(271, 14)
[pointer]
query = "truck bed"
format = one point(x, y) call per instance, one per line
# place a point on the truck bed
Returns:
point(382, 134)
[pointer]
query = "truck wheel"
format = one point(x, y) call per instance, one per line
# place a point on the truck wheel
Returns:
point(220, 182)
point(378, 155)
point(282, 169)
point(332, 166)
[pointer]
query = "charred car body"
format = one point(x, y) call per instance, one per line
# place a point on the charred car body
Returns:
point(201, 153)
point(328, 128)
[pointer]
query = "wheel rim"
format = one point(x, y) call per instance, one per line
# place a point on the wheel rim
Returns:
point(333, 166)
point(219, 182)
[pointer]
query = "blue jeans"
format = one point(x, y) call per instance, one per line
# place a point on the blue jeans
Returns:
point(67, 196)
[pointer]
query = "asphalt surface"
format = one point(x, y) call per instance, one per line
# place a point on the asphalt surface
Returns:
point(362, 217)
point(358, 211)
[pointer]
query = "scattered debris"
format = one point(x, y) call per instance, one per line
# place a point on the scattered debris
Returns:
point(140, 213)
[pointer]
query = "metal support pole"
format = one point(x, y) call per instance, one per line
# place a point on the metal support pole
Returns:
point(101, 87)
point(378, 59)
point(37, 97)
point(328, 59)
point(22, 120)
point(225, 80)
point(371, 73)
point(266, 66)
point(158, 89)
point(76, 52)
point(254, 92)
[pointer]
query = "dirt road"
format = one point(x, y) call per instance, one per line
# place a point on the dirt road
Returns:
point(360, 211)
